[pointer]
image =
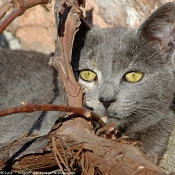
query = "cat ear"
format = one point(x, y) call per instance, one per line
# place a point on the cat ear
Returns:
point(160, 26)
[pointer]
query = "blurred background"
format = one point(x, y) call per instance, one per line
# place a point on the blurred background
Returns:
point(35, 29)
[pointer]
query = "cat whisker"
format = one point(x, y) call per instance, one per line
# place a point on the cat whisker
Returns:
point(150, 109)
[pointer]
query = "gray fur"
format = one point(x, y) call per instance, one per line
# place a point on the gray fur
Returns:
point(26, 76)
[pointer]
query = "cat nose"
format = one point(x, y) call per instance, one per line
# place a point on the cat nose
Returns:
point(106, 101)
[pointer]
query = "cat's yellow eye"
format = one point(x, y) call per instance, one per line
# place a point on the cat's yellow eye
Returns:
point(133, 77)
point(88, 75)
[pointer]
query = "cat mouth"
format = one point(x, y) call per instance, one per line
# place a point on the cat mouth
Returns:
point(112, 115)
point(106, 115)
point(111, 119)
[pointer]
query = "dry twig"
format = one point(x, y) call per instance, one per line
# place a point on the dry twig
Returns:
point(19, 7)
point(51, 107)
point(68, 21)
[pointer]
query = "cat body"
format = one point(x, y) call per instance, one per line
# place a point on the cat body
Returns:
point(127, 75)
point(25, 76)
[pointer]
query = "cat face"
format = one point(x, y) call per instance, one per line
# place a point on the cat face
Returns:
point(125, 78)
point(128, 75)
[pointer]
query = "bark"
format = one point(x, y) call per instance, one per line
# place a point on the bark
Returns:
point(72, 146)
point(67, 16)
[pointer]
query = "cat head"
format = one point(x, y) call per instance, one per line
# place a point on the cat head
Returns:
point(128, 74)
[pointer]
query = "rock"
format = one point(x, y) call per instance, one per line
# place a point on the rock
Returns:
point(3, 42)
point(13, 42)
point(35, 29)
point(128, 13)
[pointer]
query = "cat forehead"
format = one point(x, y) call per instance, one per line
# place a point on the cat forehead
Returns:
point(117, 47)
point(104, 43)
point(108, 39)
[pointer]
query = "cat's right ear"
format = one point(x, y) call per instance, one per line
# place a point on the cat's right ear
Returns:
point(159, 27)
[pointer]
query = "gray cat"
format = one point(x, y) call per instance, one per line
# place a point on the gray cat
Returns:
point(127, 75)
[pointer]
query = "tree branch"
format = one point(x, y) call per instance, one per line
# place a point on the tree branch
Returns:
point(5, 6)
point(68, 21)
point(75, 149)
point(51, 107)
point(19, 7)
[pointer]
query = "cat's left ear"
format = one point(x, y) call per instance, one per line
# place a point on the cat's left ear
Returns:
point(159, 27)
